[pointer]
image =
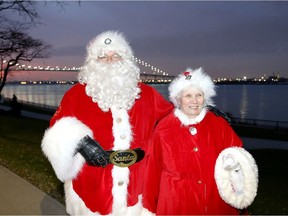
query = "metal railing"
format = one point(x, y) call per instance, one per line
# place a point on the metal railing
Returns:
point(32, 104)
point(260, 123)
point(37, 105)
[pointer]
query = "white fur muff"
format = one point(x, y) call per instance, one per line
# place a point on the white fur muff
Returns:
point(236, 175)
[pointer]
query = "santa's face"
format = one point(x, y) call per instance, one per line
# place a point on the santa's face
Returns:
point(192, 101)
point(109, 57)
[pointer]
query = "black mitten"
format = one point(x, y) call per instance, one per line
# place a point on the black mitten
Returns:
point(93, 153)
point(217, 112)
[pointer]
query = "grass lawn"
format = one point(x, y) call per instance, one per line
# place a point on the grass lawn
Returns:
point(20, 152)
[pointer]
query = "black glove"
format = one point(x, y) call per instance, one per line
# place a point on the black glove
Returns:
point(217, 112)
point(93, 153)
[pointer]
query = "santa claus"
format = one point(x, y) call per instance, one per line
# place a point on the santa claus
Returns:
point(98, 136)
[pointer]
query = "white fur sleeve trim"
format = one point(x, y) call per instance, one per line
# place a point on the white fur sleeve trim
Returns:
point(59, 144)
point(146, 212)
point(237, 183)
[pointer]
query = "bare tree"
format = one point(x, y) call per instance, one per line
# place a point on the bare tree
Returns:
point(17, 47)
point(24, 9)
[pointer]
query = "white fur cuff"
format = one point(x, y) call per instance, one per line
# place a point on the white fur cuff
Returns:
point(59, 144)
point(236, 175)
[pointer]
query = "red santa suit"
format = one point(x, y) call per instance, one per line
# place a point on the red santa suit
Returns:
point(180, 171)
point(91, 189)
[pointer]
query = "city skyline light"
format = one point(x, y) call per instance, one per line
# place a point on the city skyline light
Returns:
point(227, 38)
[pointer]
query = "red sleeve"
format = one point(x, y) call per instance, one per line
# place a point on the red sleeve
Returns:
point(66, 107)
point(162, 106)
point(230, 138)
point(153, 175)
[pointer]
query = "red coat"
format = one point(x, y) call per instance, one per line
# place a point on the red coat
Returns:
point(180, 171)
point(94, 184)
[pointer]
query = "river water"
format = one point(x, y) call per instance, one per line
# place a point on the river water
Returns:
point(265, 102)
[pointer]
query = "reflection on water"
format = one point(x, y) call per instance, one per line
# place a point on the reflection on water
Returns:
point(243, 103)
point(261, 102)
point(266, 102)
point(223, 99)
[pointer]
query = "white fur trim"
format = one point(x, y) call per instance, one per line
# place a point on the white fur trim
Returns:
point(146, 212)
point(59, 144)
point(120, 184)
point(236, 175)
point(198, 78)
point(185, 120)
point(75, 205)
point(121, 129)
point(118, 43)
point(136, 209)
point(122, 139)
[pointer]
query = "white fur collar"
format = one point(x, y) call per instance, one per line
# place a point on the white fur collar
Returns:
point(185, 120)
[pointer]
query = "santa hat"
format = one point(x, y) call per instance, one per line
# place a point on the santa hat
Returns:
point(109, 41)
point(195, 78)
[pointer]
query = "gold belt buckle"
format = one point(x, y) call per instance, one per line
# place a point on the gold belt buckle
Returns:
point(123, 158)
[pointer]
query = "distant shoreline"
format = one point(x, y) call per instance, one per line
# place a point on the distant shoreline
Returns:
point(68, 82)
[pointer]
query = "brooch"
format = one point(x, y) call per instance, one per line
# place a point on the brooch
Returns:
point(107, 41)
point(193, 130)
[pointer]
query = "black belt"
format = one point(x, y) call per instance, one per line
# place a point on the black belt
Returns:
point(125, 158)
point(95, 155)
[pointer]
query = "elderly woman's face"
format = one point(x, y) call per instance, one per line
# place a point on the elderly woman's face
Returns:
point(191, 101)
point(109, 57)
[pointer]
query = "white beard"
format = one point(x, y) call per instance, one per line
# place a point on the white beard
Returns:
point(111, 85)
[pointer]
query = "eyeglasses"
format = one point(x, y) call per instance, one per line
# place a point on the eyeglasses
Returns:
point(109, 57)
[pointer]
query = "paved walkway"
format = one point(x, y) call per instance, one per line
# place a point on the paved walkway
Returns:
point(19, 197)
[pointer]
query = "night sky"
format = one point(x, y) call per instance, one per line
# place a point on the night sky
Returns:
point(227, 38)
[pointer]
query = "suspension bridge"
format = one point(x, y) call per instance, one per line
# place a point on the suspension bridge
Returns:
point(149, 73)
